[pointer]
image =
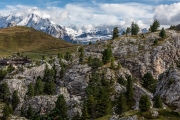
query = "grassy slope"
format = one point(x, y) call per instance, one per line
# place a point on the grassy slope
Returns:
point(31, 41)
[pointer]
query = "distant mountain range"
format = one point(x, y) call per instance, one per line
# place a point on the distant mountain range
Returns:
point(70, 33)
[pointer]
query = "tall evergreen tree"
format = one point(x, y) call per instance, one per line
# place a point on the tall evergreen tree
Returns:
point(50, 88)
point(61, 107)
point(62, 72)
point(39, 86)
point(107, 54)
point(134, 28)
point(7, 110)
point(162, 33)
point(115, 33)
point(29, 112)
point(85, 114)
point(121, 106)
point(112, 63)
point(144, 103)
point(154, 27)
point(128, 30)
point(3, 73)
point(15, 99)
point(4, 92)
point(30, 92)
point(129, 89)
point(149, 82)
point(158, 102)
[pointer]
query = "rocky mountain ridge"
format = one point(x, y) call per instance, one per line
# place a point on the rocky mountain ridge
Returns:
point(137, 55)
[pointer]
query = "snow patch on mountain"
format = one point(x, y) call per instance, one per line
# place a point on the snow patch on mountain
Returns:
point(80, 34)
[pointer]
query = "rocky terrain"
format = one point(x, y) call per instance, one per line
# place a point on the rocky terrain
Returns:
point(137, 56)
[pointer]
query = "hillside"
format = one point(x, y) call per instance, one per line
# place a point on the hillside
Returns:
point(132, 77)
point(24, 39)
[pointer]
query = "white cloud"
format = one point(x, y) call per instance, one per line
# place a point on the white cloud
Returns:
point(88, 16)
point(168, 14)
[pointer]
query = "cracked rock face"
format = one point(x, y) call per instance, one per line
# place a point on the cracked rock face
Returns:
point(76, 79)
point(169, 87)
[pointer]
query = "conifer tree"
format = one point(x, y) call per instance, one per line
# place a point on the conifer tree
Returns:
point(115, 33)
point(85, 114)
point(129, 89)
point(107, 54)
point(49, 88)
point(149, 82)
point(29, 112)
point(39, 86)
point(30, 92)
point(7, 110)
point(144, 103)
point(158, 102)
point(61, 107)
point(134, 28)
point(112, 63)
point(121, 106)
point(4, 92)
point(154, 27)
point(62, 72)
point(162, 33)
point(128, 30)
point(15, 99)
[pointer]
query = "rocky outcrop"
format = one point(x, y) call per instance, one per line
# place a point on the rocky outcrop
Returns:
point(76, 79)
point(169, 87)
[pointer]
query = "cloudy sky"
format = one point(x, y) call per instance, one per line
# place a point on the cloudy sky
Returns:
point(97, 12)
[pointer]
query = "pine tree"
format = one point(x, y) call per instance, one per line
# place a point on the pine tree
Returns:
point(29, 112)
point(39, 86)
point(89, 60)
point(162, 33)
point(149, 82)
point(154, 27)
point(3, 73)
point(22, 111)
point(30, 92)
point(4, 92)
point(134, 29)
point(115, 33)
point(158, 102)
point(128, 30)
point(129, 89)
point(121, 106)
point(49, 88)
point(62, 72)
point(144, 103)
point(61, 107)
point(15, 99)
point(112, 63)
point(91, 104)
point(85, 114)
point(7, 110)
point(107, 54)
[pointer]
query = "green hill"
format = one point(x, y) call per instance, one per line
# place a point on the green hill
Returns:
point(30, 41)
